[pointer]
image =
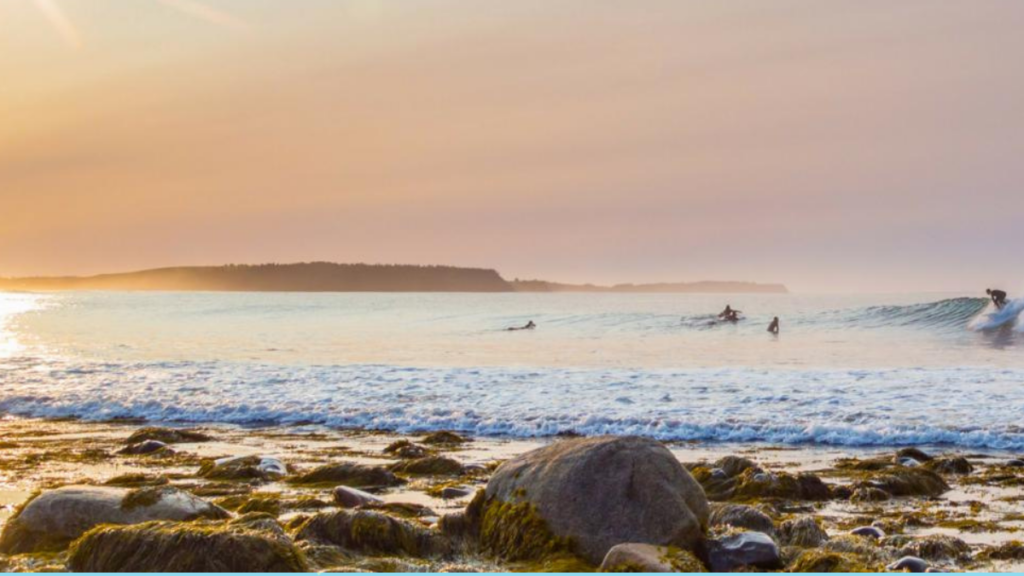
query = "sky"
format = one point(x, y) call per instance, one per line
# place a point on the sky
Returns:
point(831, 145)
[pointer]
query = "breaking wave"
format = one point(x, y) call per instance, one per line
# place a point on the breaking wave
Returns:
point(843, 407)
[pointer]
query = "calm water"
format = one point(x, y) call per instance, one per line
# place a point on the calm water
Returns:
point(864, 370)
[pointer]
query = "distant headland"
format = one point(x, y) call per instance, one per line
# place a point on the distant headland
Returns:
point(331, 277)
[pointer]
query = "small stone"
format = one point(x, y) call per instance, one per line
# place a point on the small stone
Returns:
point(470, 469)
point(167, 436)
point(951, 465)
point(352, 498)
point(649, 558)
point(754, 549)
point(734, 465)
point(444, 437)
point(873, 532)
point(1016, 463)
point(741, 516)
point(145, 447)
point(909, 564)
point(453, 492)
point(804, 532)
point(915, 453)
point(869, 494)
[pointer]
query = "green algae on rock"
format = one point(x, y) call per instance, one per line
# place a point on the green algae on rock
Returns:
point(137, 480)
point(51, 520)
point(348, 474)
point(243, 468)
point(648, 558)
point(371, 532)
point(816, 560)
point(167, 436)
point(428, 466)
point(596, 493)
point(184, 547)
point(909, 482)
point(444, 438)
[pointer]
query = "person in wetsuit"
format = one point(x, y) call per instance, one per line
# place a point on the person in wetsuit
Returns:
point(729, 314)
point(774, 326)
point(529, 326)
point(998, 297)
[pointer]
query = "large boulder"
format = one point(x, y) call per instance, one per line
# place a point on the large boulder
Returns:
point(53, 519)
point(591, 494)
point(186, 547)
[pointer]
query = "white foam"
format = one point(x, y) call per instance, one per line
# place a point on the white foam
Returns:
point(967, 407)
point(992, 318)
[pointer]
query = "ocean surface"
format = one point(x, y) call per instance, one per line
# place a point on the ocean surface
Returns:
point(846, 370)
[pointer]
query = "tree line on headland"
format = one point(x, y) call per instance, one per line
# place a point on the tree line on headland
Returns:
point(331, 277)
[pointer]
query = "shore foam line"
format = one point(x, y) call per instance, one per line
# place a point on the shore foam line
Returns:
point(963, 407)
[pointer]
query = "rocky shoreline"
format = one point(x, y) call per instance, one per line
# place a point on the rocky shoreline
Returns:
point(123, 496)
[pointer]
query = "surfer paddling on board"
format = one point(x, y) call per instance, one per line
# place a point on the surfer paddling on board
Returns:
point(998, 297)
point(729, 314)
point(529, 326)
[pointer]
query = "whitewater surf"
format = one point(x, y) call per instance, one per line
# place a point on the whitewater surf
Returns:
point(993, 318)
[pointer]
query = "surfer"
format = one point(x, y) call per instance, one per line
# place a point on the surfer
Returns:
point(529, 326)
point(729, 314)
point(998, 297)
point(774, 326)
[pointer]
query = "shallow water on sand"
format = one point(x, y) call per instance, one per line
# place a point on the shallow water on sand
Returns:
point(846, 370)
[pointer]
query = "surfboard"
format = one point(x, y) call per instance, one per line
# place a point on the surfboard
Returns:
point(992, 318)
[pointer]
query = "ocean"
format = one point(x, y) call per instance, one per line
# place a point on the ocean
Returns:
point(879, 370)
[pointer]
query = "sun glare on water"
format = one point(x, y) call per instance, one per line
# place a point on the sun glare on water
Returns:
point(13, 305)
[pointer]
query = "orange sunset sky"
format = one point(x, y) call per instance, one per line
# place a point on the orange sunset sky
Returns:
point(831, 145)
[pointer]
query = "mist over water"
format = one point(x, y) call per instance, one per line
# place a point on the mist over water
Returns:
point(848, 370)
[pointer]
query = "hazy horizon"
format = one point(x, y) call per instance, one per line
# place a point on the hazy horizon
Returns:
point(844, 146)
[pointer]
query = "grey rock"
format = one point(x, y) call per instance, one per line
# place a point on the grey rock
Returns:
point(741, 516)
point(453, 492)
point(55, 518)
point(909, 564)
point(915, 453)
point(648, 558)
point(145, 447)
point(746, 549)
point(734, 465)
point(352, 498)
point(604, 491)
point(804, 532)
point(873, 532)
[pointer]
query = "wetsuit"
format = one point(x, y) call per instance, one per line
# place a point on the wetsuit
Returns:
point(999, 298)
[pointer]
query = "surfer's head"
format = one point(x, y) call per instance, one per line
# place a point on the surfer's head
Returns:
point(988, 291)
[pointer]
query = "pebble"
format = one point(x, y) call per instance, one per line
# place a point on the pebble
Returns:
point(453, 492)
point(909, 563)
point(873, 532)
point(351, 498)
